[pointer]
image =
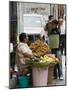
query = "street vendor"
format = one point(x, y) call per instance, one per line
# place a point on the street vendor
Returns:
point(23, 53)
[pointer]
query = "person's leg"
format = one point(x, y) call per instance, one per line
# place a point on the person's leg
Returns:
point(54, 51)
point(59, 56)
point(65, 45)
point(59, 70)
point(61, 46)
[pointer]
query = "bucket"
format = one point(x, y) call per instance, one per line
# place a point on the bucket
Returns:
point(23, 81)
point(40, 77)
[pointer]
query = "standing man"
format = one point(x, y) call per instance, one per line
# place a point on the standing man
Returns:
point(48, 28)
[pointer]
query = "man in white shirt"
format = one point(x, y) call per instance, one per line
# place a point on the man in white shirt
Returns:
point(23, 53)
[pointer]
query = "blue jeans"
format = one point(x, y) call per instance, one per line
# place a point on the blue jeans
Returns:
point(57, 70)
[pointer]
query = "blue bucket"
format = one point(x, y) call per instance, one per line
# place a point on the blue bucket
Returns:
point(23, 81)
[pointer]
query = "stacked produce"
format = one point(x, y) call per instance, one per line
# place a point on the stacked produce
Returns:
point(49, 58)
point(40, 48)
point(43, 61)
point(42, 55)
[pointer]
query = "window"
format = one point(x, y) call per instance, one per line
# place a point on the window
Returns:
point(32, 21)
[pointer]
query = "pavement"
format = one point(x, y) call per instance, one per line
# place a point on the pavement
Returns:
point(57, 83)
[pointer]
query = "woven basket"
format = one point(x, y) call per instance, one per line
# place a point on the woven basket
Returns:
point(50, 74)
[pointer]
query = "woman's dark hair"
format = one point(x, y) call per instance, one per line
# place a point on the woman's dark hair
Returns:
point(55, 22)
point(43, 38)
point(22, 36)
point(50, 17)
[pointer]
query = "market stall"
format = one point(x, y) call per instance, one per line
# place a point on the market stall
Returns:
point(41, 63)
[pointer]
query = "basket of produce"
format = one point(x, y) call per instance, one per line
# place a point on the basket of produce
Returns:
point(42, 61)
point(40, 69)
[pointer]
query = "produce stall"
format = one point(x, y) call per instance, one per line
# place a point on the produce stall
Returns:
point(41, 63)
